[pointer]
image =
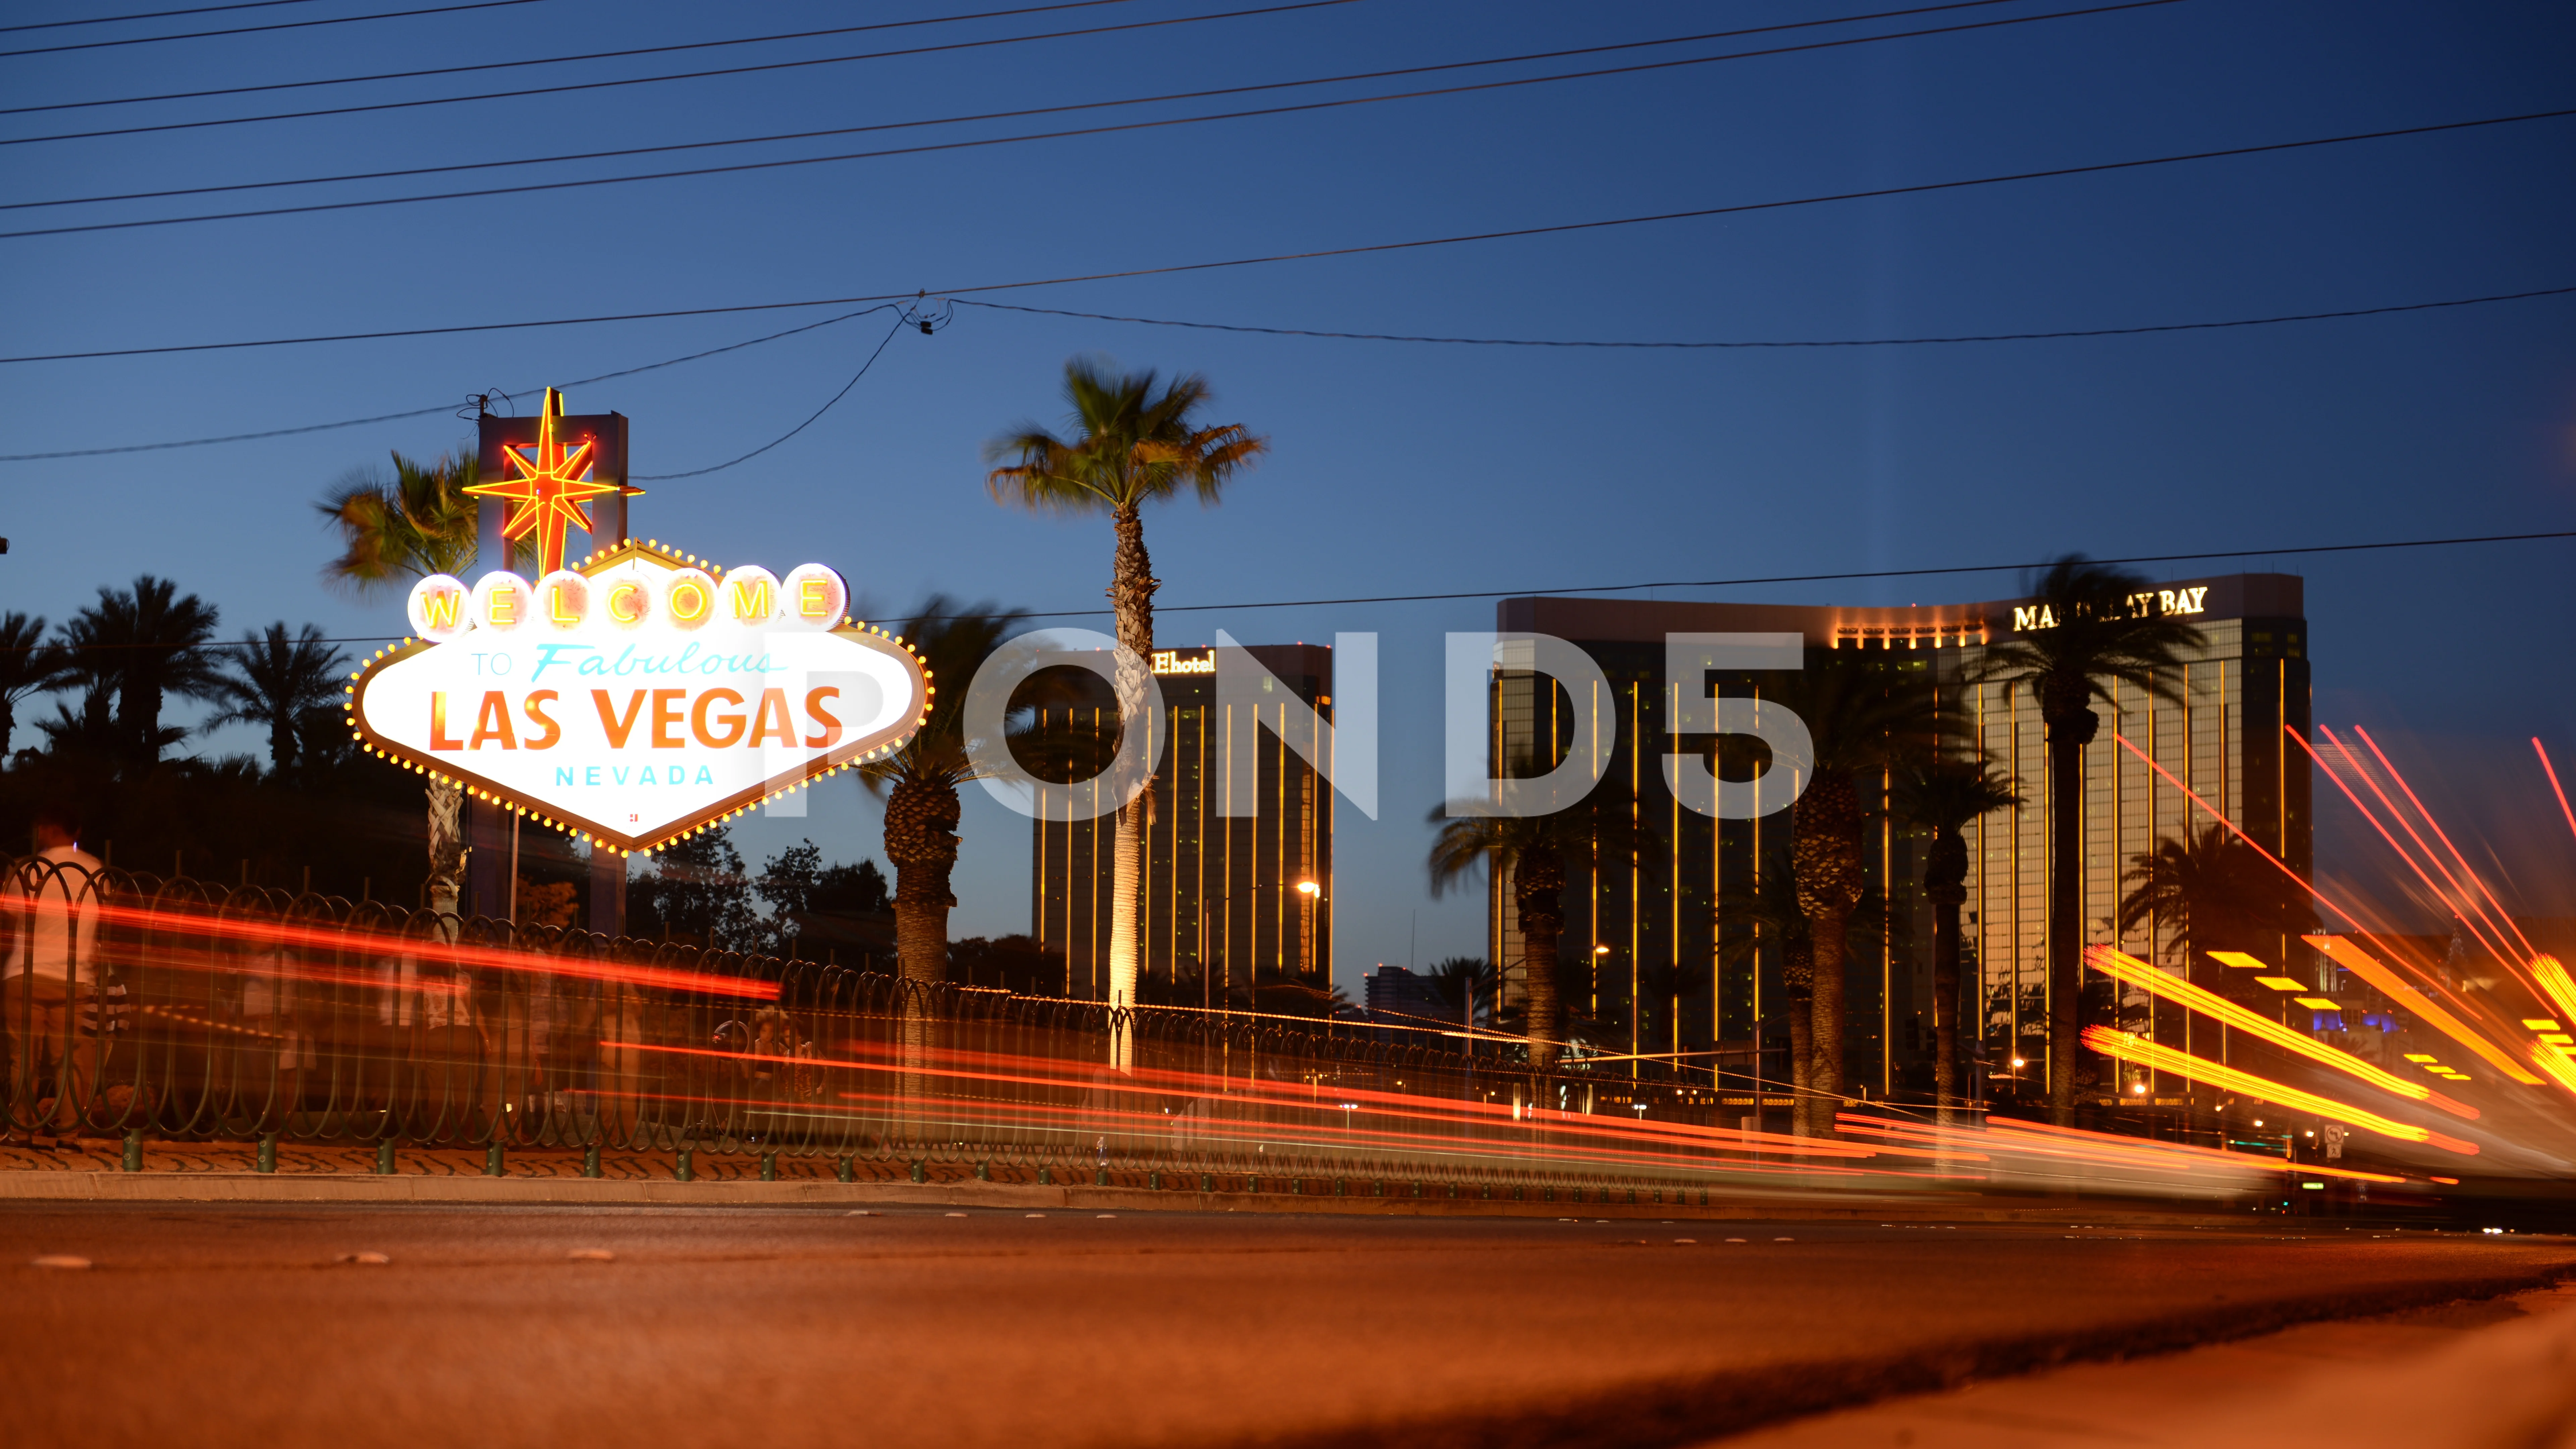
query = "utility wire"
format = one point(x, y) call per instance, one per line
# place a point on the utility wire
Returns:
point(421, 412)
point(1353, 336)
point(446, 70)
point(1275, 257)
point(1111, 129)
point(982, 116)
point(791, 432)
point(242, 30)
point(1856, 574)
point(684, 75)
point(1852, 575)
point(1842, 342)
point(151, 15)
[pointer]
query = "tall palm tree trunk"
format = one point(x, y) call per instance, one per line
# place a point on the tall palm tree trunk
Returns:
point(1945, 885)
point(1945, 1003)
point(1825, 854)
point(1131, 595)
point(1826, 931)
point(921, 840)
point(446, 851)
point(2071, 727)
point(1538, 890)
point(1798, 982)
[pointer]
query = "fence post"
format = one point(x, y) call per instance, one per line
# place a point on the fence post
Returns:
point(686, 1168)
point(1154, 1180)
point(134, 1150)
point(918, 1175)
point(983, 1169)
point(493, 1165)
point(385, 1158)
point(267, 1159)
point(842, 1169)
point(590, 1160)
point(1046, 1176)
point(769, 1167)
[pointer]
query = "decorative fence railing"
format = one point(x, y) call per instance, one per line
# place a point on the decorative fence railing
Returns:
point(175, 1010)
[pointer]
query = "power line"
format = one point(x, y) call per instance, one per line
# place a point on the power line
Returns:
point(241, 30)
point(1112, 129)
point(1843, 342)
point(1366, 337)
point(1856, 574)
point(1275, 257)
point(981, 116)
point(443, 70)
point(658, 79)
point(151, 15)
point(800, 427)
point(1747, 581)
point(419, 412)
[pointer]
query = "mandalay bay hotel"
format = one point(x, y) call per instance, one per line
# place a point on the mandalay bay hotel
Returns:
point(1654, 972)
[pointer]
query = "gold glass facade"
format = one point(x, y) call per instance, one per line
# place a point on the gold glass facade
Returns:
point(1219, 893)
point(1657, 972)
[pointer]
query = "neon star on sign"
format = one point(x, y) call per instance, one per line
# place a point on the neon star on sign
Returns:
point(639, 697)
point(547, 483)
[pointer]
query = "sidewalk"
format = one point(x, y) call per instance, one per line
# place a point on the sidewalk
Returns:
point(2493, 1374)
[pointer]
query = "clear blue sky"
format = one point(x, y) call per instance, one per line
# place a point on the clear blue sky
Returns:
point(1397, 468)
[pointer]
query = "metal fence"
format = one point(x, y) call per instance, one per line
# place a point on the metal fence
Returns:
point(173, 1009)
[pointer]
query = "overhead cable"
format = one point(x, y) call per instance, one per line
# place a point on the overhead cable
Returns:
point(1856, 574)
point(2380, 311)
point(1112, 129)
point(445, 70)
point(800, 427)
point(1829, 342)
point(245, 29)
point(150, 15)
point(421, 412)
point(1276, 257)
point(1020, 114)
point(1743, 582)
point(685, 75)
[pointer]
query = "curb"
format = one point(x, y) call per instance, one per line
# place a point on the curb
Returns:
point(77, 1186)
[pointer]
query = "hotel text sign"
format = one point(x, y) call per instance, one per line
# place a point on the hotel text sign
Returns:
point(639, 697)
point(2192, 600)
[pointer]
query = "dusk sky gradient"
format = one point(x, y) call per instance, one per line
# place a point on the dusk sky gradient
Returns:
point(1396, 467)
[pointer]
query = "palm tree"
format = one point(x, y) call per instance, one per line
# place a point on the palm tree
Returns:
point(142, 645)
point(1132, 443)
point(28, 665)
point(920, 781)
point(419, 522)
point(1863, 719)
point(1530, 849)
point(2096, 624)
point(2211, 892)
point(1942, 796)
point(278, 682)
point(1769, 908)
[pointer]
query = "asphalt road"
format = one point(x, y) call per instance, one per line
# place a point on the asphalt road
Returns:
point(788, 1327)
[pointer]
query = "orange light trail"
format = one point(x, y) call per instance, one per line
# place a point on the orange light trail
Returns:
point(2182, 1064)
point(344, 938)
point(2125, 968)
point(2462, 861)
point(2362, 964)
point(2472, 918)
point(2555, 788)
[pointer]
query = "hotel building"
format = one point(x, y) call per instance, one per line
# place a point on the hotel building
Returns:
point(1655, 971)
point(1245, 897)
